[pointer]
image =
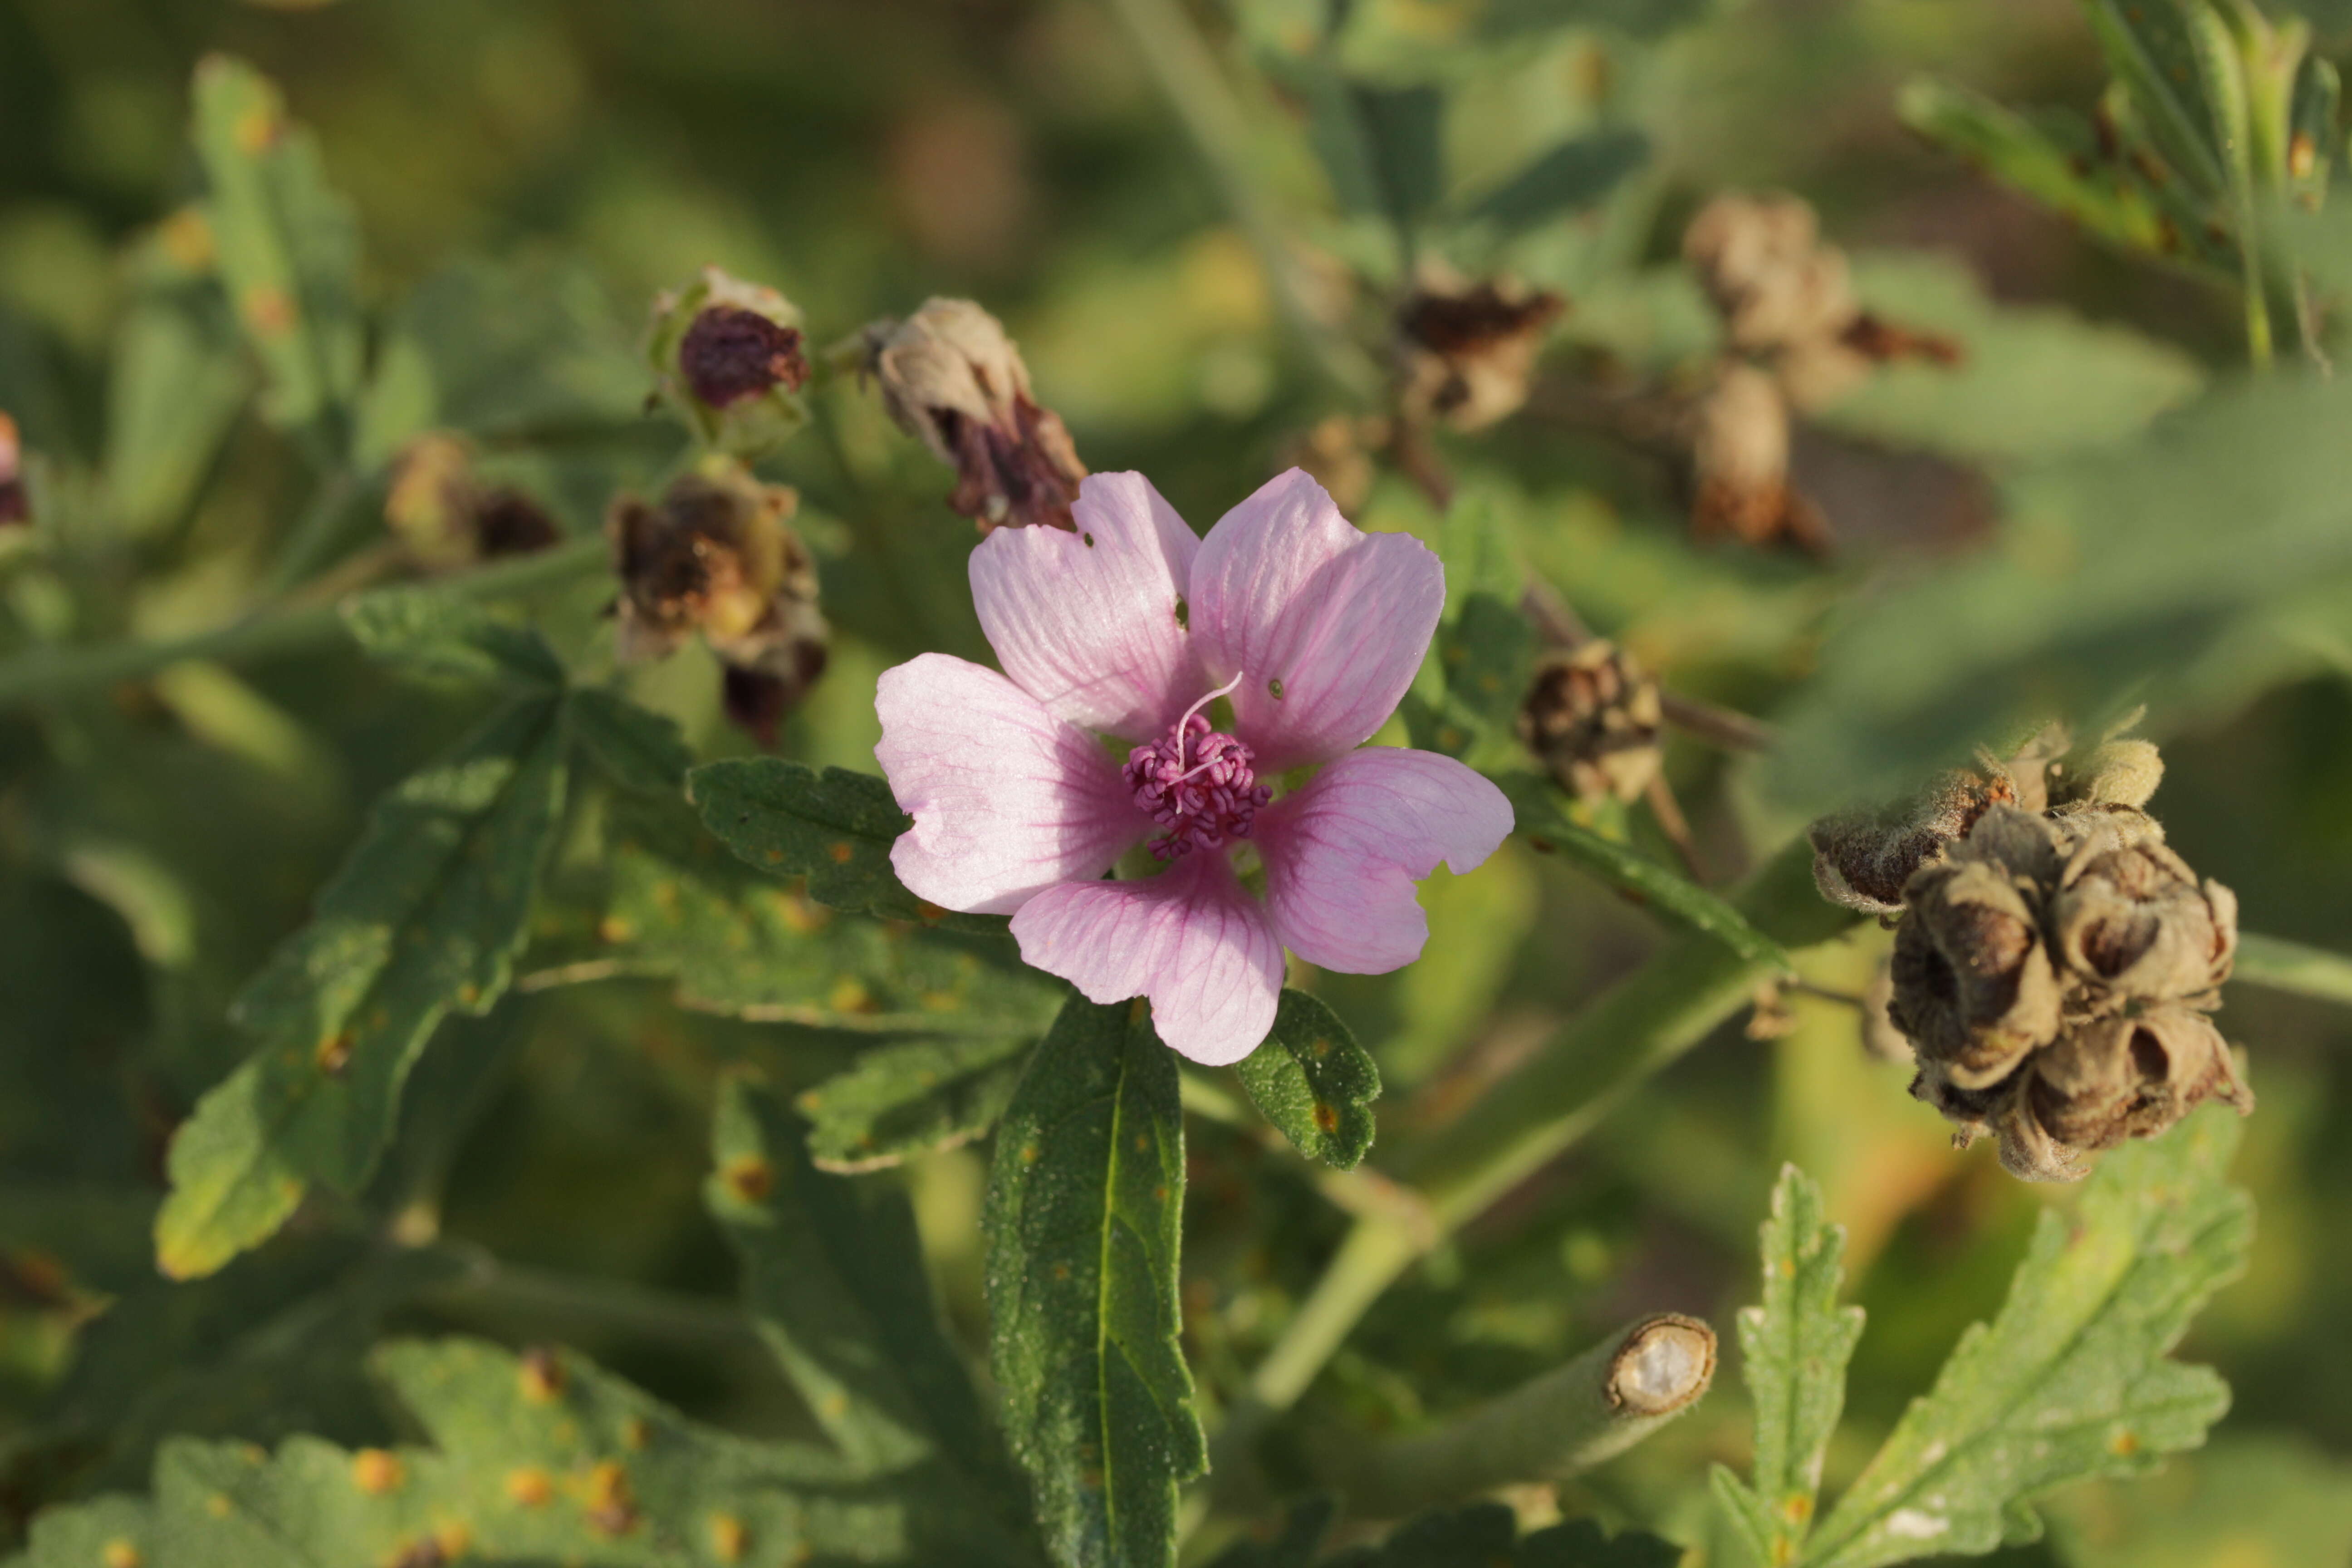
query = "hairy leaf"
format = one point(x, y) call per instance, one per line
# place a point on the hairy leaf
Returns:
point(911, 1098)
point(1295, 1546)
point(437, 635)
point(2071, 1378)
point(1570, 176)
point(1311, 1080)
point(1486, 1535)
point(178, 379)
point(288, 245)
point(638, 750)
point(2173, 56)
point(1084, 1205)
point(1794, 1349)
point(836, 827)
point(425, 916)
point(1671, 895)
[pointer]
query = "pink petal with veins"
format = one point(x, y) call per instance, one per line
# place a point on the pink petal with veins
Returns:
point(1288, 592)
point(1190, 939)
point(1342, 854)
point(1007, 799)
point(1086, 622)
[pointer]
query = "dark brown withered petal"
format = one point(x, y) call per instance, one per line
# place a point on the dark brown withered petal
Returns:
point(1882, 340)
point(729, 354)
point(1466, 355)
point(509, 522)
point(1973, 988)
point(16, 506)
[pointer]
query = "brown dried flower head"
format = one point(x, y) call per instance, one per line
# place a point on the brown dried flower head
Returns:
point(1466, 353)
point(949, 375)
point(730, 357)
point(1763, 267)
point(716, 555)
point(1974, 987)
point(1740, 459)
point(1593, 715)
point(2131, 921)
point(1864, 860)
point(447, 517)
point(15, 508)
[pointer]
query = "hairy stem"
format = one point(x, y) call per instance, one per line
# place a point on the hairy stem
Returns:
point(59, 671)
point(1549, 1429)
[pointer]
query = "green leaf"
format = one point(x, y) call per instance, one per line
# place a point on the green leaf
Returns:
point(2164, 51)
point(2311, 125)
point(1672, 897)
point(1794, 1351)
point(178, 380)
point(902, 1100)
point(2071, 1378)
point(1486, 1535)
point(1568, 178)
point(426, 915)
point(1404, 134)
point(1311, 1080)
point(836, 827)
point(289, 247)
point(833, 1274)
point(437, 635)
point(539, 1458)
point(1295, 1546)
point(638, 750)
point(1085, 1202)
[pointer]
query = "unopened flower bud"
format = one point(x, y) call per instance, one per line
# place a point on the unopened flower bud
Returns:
point(1593, 717)
point(716, 555)
point(2133, 923)
point(1974, 987)
point(448, 518)
point(1863, 860)
point(951, 376)
point(732, 360)
point(1740, 459)
point(15, 508)
point(1466, 355)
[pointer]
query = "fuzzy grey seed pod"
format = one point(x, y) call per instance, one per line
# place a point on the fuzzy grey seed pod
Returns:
point(1974, 987)
point(716, 555)
point(1864, 860)
point(1466, 354)
point(1740, 463)
point(2132, 921)
point(729, 358)
point(2123, 773)
point(2115, 1078)
point(1593, 717)
point(949, 376)
point(15, 507)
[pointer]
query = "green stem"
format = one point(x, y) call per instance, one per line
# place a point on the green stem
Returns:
point(1554, 1427)
point(495, 1286)
point(2276, 964)
point(313, 536)
point(1613, 1046)
point(1187, 77)
point(44, 673)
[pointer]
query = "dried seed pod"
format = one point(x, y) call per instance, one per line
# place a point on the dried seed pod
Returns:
point(1740, 459)
point(447, 518)
point(1862, 860)
point(1466, 354)
point(15, 507)
point(2113, 1078)
point(730, 357)
point(1974, 987)
point(1593, 715)
point(1762, 264)
point(716, 555)
point(2131, 921)
point(949, 375)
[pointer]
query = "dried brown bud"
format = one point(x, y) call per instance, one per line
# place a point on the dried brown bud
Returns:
point(1881, 341)
point(716, 555)
point(1762, 264)
point(1863, 860)
point(730, 354)
point(2130, 920)
point(1593, 715)
point(2131, 1077)
point(449, 517)
point(1465, 356)
point(1739, 458)
point(1336, 451)
point(15, 508)
point(949, 375)
point(1974, 987)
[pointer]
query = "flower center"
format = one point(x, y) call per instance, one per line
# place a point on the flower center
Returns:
point(1197, 782)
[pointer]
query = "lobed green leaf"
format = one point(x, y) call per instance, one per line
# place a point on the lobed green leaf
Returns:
point(1486, 1535)
point(638, 750)
point(1085, 1200)
point(438, 634)
point(1569, 177)
point(910, 1098)
point(1312, 1080)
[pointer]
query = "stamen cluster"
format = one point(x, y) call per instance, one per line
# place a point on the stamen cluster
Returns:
point(1197, 782)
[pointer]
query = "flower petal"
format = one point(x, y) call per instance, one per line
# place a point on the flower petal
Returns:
point(1292, 596)
point(1007, 799)
point(1190, 939)
point(1342, 854)
point(1086, 622)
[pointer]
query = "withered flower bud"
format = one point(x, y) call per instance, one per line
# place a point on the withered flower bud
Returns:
point(1740, 459)
point(1593, 717)
point(1762, 264)
point(1465, 356)
point(445, 515)
point(2132, 921)
point(1863, 860)
point(1974, 987)
point(716, 555)
point(2115, 1078)
point(15, 508)
point(1336, 451)
point(731, 358)
point(951, 376)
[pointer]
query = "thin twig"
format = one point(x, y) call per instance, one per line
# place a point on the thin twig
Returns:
point(1673, 824)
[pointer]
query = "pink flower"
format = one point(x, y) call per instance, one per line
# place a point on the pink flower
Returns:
point(1129, 626)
